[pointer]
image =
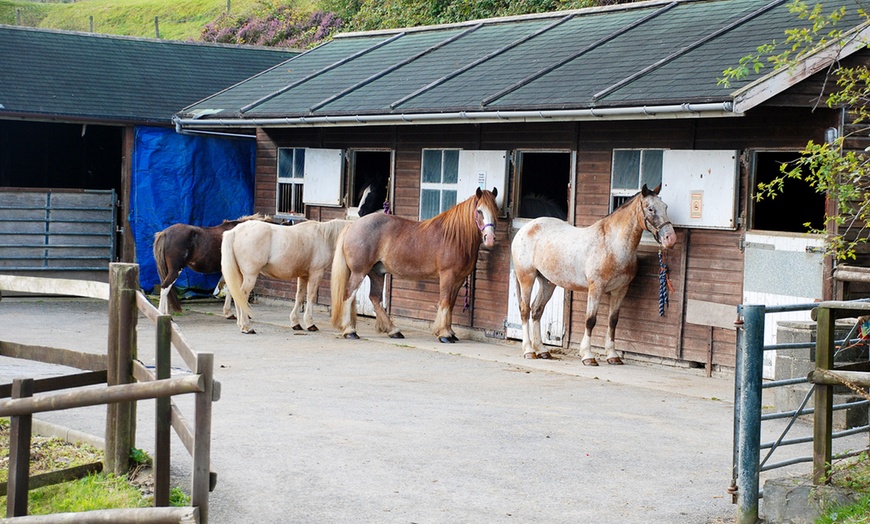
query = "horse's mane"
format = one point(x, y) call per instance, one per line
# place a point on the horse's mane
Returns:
point(458, 223)
point(255, 216)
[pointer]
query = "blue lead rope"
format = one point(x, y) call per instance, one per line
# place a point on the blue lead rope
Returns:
point(664, 285)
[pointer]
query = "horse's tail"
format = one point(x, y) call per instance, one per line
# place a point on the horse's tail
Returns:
point(338, 281)
point(160, 260)
point(232, 274)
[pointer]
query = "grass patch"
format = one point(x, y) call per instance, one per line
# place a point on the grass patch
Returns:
point(98, 491)
point(852, 474)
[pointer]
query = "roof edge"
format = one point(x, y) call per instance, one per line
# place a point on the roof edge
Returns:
point(780, 80)
point(672, 111)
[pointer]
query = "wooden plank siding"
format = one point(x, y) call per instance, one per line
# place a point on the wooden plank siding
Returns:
point(705, 265)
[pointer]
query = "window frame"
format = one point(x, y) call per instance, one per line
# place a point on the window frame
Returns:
point(623, 194)
point(442, 186)
point(296, 183)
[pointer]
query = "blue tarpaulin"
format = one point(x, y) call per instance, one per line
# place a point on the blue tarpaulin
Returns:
point(185, 179)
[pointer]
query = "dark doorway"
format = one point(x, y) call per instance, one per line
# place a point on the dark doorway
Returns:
point(796, 206)
point(371, 170)
point(545, 180)
point(60, 156)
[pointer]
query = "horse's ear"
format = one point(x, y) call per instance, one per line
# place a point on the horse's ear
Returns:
point(495, 191)
point(644, 190)
point(479, 193)
point(657, 189)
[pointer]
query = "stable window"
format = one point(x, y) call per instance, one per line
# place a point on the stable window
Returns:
point(632, 168)
point(369, 183)
point(291, 172)
point(544, 183)
point(798, 205)
point(438, 182)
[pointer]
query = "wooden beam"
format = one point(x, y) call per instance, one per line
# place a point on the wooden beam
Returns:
point(186, 515)
point(829, 377)
point(108, 395)
point(76, 380)
point(55, 286)
point(62, 475)
point(50, 355)
point(19, 452)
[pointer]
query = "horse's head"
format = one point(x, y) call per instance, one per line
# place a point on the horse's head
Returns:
point(655, 217)
point(486, 214)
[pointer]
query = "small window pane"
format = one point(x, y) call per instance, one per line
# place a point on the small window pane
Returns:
point(285, 198)
point(430, 203)
point(299, 163)
point(431, 166)
point(451, 166)
point(285, 162)
point(626, 169)
point(652, 168)
point(448, 199)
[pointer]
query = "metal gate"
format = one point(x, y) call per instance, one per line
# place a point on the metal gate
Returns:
point(57, 231)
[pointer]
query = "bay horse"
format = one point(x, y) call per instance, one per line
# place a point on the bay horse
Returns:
point(199, 248)
point(303, 252)
point(601, 258)
point(444, 247)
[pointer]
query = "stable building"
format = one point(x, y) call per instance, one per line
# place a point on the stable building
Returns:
point(575, 109)
point(86, 142)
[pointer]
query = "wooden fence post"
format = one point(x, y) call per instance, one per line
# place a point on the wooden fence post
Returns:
point(202, 437)
point(162, 441)
point(123, 318)
point(824, 397)
point(19, 453)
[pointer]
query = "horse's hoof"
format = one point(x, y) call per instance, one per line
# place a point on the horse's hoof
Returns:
point(590, 362)
point(351, 336)
point(453, 338)
point(297, 327)
point(312, 327)
point(615, 361)
point(545, 355)
point(530, 355)
point(446, 340)
point(230, 317)
point(249, 332)
point(397, 334)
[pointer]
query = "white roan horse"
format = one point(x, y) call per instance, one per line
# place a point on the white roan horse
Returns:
point(303, 252)
point(601, 258)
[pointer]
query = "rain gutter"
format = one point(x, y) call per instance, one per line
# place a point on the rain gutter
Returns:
point(714, 109)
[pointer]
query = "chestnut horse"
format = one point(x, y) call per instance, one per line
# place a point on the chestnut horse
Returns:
point(601, 258)
point(303, 252)
point(443, 247)
point(199, 248)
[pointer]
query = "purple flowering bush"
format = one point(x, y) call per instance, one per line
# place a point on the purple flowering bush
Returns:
point(281, 26)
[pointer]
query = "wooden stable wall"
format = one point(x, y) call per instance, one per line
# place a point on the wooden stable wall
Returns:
point(705, 265)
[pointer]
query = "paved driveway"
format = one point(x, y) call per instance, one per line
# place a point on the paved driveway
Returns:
point(312, 428)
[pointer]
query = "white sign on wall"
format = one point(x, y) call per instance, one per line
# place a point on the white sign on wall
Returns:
point(700, 187)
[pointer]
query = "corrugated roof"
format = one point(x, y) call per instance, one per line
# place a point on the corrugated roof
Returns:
point(599, 59)
point(69, 75)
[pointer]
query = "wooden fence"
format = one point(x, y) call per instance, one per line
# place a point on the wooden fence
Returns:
point(826, 376)
point(127, 381)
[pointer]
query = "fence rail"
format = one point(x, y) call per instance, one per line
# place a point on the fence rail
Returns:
point(127, 381)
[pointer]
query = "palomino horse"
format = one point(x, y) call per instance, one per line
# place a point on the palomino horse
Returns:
point(303, 252)
point(443, 247)
point(601, 258)
point(199, 248)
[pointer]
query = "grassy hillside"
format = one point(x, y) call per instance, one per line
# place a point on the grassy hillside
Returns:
point(177, 19)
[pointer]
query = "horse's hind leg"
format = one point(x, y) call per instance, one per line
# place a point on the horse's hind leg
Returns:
point(383, 322)
point(616, 297)
point(163, 306)
point(228, 302)
point(347, 323)
point(301, 286)
point(537, 311)
point(243, 320)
